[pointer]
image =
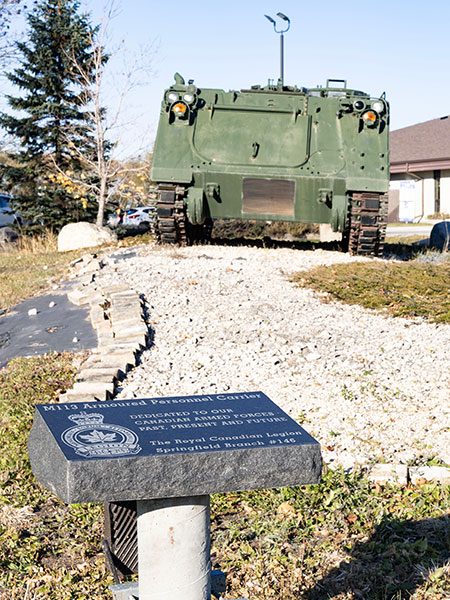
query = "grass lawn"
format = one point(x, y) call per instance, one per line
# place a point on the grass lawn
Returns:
point(408, 289)
point(29, 269)
point(343, 538)
point(47, 549)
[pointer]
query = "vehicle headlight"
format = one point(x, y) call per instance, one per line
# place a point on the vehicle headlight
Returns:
point(189, 98)
point(358, 104)
point(369, 117)
point(378, 106)
point(179, 108)
point(172, 97)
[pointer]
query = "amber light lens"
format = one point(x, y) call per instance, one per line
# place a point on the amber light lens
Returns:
point(369, 117)
point(179, 108)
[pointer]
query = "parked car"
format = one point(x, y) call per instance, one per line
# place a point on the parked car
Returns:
point(142, 215)
point(7, 214)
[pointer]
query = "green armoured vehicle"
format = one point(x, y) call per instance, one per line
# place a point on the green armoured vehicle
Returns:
point(274, 153)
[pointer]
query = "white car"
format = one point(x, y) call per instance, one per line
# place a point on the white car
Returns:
point(139, 216)
point(7, 215)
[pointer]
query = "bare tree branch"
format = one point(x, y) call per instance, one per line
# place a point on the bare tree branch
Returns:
point(102, 174)
point(9, 9)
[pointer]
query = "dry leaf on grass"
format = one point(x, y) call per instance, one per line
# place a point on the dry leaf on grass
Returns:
point(287, 510)
point(16, 518)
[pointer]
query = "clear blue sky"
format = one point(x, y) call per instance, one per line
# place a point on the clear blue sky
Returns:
point(398, 46)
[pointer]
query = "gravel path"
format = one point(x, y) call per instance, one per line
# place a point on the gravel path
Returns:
point(370, 388)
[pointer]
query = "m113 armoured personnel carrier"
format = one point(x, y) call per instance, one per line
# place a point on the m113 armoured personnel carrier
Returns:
point(273, 153)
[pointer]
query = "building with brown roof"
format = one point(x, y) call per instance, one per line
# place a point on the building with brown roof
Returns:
point(420, 170)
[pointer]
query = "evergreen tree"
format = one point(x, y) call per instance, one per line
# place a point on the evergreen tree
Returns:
point(52, 115)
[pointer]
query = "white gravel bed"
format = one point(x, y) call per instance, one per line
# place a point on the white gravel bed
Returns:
point(369, 387)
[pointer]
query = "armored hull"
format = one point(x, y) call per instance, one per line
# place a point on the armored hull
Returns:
point(272, 153)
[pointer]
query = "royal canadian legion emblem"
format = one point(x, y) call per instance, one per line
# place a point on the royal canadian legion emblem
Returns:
point(93, 438)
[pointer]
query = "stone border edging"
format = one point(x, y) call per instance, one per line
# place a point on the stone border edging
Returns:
point(116, 313)
point(402, 474)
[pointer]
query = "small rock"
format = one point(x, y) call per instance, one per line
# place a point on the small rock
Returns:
point(324, 334)
point(312, 356)
point(75, 340)
point(32, 312)
point(52, 304)
point(384, 473)
point(432, 473)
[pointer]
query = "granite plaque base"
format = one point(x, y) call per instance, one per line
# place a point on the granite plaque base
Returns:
point(169, 447)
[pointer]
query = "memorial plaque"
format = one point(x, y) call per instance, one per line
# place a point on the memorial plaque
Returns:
point(169, 447)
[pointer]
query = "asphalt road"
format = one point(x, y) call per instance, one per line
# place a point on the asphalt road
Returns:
point(406, 230)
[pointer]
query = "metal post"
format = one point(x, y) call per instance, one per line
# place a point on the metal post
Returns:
point(287, 22)
point(282, 59)
point(174, 548)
